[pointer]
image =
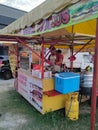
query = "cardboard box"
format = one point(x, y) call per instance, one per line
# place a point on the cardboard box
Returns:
point(38, 74)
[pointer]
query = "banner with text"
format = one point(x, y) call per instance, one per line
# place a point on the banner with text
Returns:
point(80, 11)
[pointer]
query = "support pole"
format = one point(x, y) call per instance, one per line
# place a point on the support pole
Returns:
point(42, 57)
point(71, 62)
point(17, 52)
point(95, 83)
point(72, 50)
point(83, 46)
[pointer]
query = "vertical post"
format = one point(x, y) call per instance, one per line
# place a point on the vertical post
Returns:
point(42, 57)
point(71, 49)
point(71, 62)
point(17, 51)
point(16, 69)
point(95, 83)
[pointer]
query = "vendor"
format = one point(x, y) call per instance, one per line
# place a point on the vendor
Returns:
point(52, 58)
point(58, 61)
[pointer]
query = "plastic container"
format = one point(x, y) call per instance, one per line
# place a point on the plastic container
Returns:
point(86, 83)
point(67, 82)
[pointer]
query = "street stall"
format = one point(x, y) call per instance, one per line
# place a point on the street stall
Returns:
point(45, 26)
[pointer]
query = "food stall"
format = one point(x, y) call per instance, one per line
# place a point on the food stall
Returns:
point(48, 93)
point(46, 25)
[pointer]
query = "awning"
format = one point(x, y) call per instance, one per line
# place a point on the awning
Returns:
point(33, 17)
point(56, 14)
point(59, 20)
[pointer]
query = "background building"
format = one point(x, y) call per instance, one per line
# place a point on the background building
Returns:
point(9, 15)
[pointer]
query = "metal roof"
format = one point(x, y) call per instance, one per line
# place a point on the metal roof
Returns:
point(9, 15)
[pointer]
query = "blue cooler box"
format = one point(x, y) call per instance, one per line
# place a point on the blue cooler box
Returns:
point(67, 82)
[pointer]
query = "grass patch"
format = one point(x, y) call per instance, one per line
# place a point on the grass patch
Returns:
point(15, 106)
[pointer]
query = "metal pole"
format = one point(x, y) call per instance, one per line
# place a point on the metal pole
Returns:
point(83, 46)
point(71, 49)
point(17, 52)
point(95, 83)
point(42, 57)
point(71, 62)
point(16, 73)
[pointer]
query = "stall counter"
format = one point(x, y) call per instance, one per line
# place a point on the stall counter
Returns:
point(40, 92)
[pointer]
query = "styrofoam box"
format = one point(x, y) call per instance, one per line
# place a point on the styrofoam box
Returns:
point(38, 74)
point(67, 82)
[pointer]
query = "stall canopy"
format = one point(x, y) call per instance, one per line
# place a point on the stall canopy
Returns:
point(74, 20)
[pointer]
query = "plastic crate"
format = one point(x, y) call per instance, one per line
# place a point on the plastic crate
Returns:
point(67, 82)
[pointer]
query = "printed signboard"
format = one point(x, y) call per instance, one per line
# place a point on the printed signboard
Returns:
point(79, 11)
point(31, 89)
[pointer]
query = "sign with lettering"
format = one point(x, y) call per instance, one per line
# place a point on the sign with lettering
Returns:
point(79, 11)
point(31, 89)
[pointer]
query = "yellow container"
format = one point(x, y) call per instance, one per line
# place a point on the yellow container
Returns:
point(72, 106)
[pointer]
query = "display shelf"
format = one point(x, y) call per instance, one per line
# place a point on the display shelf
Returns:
point(52, 93)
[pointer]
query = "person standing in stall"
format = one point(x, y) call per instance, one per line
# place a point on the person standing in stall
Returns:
point(55, 59)
point(58, 61)
point(52, 57)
